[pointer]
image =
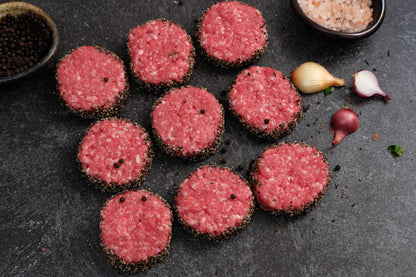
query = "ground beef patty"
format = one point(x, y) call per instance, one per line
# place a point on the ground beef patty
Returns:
point(115, 154)
point(232, 34)
point(188, 122)
point(214, 202)
point(136, 229)
point(92, 82)
point(265, 102)
point(161, 54)
point(290, 178)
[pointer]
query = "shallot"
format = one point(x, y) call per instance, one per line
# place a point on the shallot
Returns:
point(311, 77)
point(343, 122)
point(366, 84)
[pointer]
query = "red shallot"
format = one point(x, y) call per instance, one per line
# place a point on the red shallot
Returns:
point(366, 84)
point(343, 122)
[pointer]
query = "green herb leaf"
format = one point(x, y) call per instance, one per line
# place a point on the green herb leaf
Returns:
point(395, 150)
point(388, 53)
point(329, 90)
point(174, 53)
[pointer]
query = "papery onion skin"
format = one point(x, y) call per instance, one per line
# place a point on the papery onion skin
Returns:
point(311, 77)
point(366, 84)
point(343, 122)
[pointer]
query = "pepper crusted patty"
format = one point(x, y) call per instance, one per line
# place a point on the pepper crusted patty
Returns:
point(161, 55)
point(265, 102)
point(115, 154)
point(92, 82)
point(232, 34)
point(136, 229)
point(214, 202)
point(188, 122)
point(290, 178)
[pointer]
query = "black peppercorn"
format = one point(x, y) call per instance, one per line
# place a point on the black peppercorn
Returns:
point(144, 198)
point(105, 79)
point(25, 40)
point(122, 199)
point(202, 111)
point(116, 165)
point(233, 196)
point(266, 121)
point(121, 161)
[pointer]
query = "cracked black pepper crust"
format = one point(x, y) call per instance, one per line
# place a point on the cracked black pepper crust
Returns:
point(221, 63)
point(113, 187)
point(177, 151)
point(162, 87)
point(231, 231)
point(120, 263)
point(291, 212)
point(97, 112)
point(282, 130)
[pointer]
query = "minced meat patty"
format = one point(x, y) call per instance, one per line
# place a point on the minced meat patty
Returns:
point(214, 202)
point(232, 33)
point(265, 102)
point(92, 81)
point(188, 122)
point(290, 178)
point(161, 53)
point(115, 154)
point(136, 229)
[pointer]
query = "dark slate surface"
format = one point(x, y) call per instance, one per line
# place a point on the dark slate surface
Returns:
point(364, 226)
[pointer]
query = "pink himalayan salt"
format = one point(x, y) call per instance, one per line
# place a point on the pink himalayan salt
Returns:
point(340, 15)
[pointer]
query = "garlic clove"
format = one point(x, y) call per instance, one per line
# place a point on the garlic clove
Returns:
point(311, 77)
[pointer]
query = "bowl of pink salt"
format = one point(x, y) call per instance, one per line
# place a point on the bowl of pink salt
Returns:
point(340, 18)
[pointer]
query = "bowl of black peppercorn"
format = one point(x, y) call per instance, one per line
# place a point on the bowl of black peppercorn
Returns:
point(29, 40)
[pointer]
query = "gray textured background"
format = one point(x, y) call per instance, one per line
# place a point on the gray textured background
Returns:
point(364, 226)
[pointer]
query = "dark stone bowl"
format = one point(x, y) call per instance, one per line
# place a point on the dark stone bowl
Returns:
point(16, 8)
